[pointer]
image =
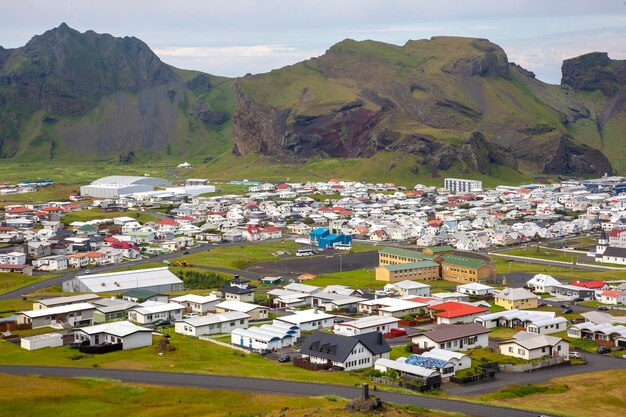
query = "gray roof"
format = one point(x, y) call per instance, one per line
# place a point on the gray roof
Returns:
point(337, 347)
point(613, 251)
point(445, 332)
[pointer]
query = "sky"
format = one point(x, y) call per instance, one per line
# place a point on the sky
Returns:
point(236, 37)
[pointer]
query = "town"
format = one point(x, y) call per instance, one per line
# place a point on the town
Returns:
point(425, 289)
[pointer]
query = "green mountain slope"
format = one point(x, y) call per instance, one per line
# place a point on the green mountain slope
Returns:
point(69, 96)
point(446, 101)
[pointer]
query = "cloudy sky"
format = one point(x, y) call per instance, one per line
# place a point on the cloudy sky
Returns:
point(234, 37)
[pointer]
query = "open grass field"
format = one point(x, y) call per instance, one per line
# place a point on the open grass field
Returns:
point(360, 278)
point(55, 192)
point(585, 395)
point(10, 281)
point(191, 355)
point(504, 266)
point(239, 257)
point(546, 254)
point(93, 396)
point(94, 214)
point(12, 306)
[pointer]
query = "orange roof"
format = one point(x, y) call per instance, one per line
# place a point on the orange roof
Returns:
point(452, 309)
point(95, 254)
point(306, 276)
point(613, 294)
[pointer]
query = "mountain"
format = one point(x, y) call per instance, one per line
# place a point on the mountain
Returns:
point(429, 108)
point(67, 95)
point(443, 102)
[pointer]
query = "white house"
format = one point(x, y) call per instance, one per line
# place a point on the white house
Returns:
point(50, 263)
point(390, 307)
point(453, 337)
point(542, 283)
point(403, 368)
point(198, 304)
point(128, 334)
point(266, 336)
point(460, 360)
point(542, 322)
point(367, 324)
point(153, 311)
point(408, 287)
point(612, 297)
point(528, 346)
point(308, 320)
point(58, 317)
point(255, 311)
point(475, 288)
point(212, 324)
point(346, 352)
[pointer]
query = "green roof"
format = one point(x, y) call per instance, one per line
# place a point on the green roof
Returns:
point(463, 261)
point(143, 294)
point(407, 253)
point(410, 265)
point(436, 249)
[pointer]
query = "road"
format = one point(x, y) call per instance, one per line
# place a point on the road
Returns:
point(594, 363)
point(266, 386)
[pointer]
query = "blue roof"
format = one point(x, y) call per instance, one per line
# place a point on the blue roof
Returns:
point(319, 231)
point(425, 362)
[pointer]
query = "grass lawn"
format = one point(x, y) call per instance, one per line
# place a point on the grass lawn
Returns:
point(191, 355)
point(239, 257)
point(12, 306)
point(94, 214)
point(591, 394)
point(398, 352)
point(97, 396)
point(55, 192)
point(360, 278)
point(10, 281)
point(563, 272)
point(501, 333)
point(546, 254)
point(485, 355)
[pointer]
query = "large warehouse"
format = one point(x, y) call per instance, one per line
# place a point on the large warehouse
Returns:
point(116, 185)
point(153, 279)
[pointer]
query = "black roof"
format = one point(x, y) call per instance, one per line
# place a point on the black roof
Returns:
point(236, 290)
point(337, 348)
point(238, 280)
point(613, 251)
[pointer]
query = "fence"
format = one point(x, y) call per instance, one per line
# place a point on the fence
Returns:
point(98, 349)
point(305, 363)
point(482, 375)
point(413, 386)
point(12, 326)
point(528, 367)
point(228, 345)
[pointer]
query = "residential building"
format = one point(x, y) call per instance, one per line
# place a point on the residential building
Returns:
point(459, 185)
point(153, 311)
point(542, 283)
point(110, 309)
point(255, 311)
point(612, 297)
point(423, 270)
point(528, 346)
point(129, 335)
point(368, 324)
point(456, 337)
point(308, 320)
point(60, 317)
point(465, 270)
point(452, 312)
point(212, 324)
point(516, 299)
point(475, 289)
point(197, 303)
point(266, 336)
point(63, 301)
point(238, 289)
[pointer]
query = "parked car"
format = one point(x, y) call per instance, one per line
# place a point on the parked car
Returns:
point(564, 305)
point(190, 315)
point(284, 358)
point(87, 271)
point(603, 349)
point(567, 311)
point(575, 355)
point(262, 352)
point(164, 322)
point(603, 308)
point(166, 262)
point(186, 252)
point(541, 305)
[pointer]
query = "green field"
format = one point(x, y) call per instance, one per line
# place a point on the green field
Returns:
point(95, 214)
point(10, 281)
point(544, 254)
point(360, 278)
point(504, 266)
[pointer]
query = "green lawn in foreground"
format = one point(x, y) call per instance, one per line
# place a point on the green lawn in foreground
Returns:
point(239, 257)
point(10, 281)
point(191, 355)
point(94, 214)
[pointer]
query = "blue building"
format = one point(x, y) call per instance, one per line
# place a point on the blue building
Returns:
point(322, 238)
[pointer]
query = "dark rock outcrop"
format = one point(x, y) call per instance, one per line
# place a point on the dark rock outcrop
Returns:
point(201, 82)
point(594, 71)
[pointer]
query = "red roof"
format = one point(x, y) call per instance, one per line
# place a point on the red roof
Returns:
point(94, 254)
point(110, 239)
point(168, 222)
point(613, 294)
point(48, 209)
point(420, 299)
point(333, 180)
point(270, 229)
point(452, 309)
point(592, 285)
point(616, 232)
point(123, 245)
point(282, 186)
point(435, 222)
point(18, 210)
point(187, 218)
point(6, 229)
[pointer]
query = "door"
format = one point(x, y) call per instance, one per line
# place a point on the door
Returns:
point(461, 344)
point(241, 341)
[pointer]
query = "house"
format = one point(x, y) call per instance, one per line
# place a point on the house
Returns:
point(50, 263)
point(197, 303)
point(266, 336)
point(476, 289)
point(459, 360)
point(407, 287)
point(238, 289)
point(612, 297)
point(37, 250)
point(255, 311)
point(110, 309)
point(77, 260)
point(345, 352)
point(592, 285)
point(139, 296)
point(543, 322)
point(128, 335)
point(542, 283)
point(604, 334)
point(391, 307)
point(13, 258)
point(63, 316)
point(516, 299)
point(425, 375)
point(308, 320)
point(573, 292)
point(453, 337)
point(445, 368)
point(63, 301)
point(152, 279)
point(452, 312)
point(366, 324)
point(212, 324)
point(528, 346)
point(153, 311)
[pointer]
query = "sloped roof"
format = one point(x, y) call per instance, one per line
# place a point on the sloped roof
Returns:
point(410, 265)
point(463, 261)
point(445, 332)
point(337, 347)
point(407, 253)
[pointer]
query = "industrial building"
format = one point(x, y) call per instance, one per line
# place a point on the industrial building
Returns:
point(153, 279)
point(115, 185)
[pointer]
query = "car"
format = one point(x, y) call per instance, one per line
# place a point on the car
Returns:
point(190, 315)
point(603, 349)
point(575, 355)
point(541, 305)
point(262, 352)
point(87, 271)
point(567, 311)
point(166, 262)
point(564, 305)
point(284, 358)
point(164, 322)
point(603, 308)
point(186, 252)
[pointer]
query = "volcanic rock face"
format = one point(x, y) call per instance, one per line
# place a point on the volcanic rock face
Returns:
point(594, 71)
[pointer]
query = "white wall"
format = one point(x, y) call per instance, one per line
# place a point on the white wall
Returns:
point(135, 340)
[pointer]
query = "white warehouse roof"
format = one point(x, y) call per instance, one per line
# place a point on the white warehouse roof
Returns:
point(126, 280)
point(129, 180)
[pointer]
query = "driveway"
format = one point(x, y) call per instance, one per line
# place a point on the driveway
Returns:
point(594, 363)
point(267, 386)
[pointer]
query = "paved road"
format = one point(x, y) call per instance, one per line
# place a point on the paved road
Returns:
point(266, 386)
point(594, 363)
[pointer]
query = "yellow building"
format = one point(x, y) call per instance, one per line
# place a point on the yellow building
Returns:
point(438, 250)
point(465, 270)
point(422, 270)
point(394, 256)
point(516, 299)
